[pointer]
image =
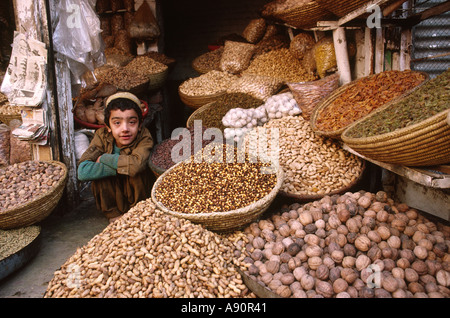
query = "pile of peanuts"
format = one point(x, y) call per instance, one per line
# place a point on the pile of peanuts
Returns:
point(147, 253)
point(313, 165)
point(210, 83)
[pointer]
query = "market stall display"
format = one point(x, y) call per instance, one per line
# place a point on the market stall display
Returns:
point(17, 247)
point(132, 257)
point(219, 187)
point(354, 245)
point(411, 130)
point(30, 191)
point(359, 98)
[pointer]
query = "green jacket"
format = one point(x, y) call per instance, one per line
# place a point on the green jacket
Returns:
point(122, 177)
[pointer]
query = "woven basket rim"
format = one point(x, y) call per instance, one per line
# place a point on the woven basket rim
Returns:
point(50, 193)
point(199, 100)
point(335, 94)
point(430, 128)
point(211, 215)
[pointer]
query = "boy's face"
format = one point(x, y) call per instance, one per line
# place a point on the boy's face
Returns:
point(124, 126)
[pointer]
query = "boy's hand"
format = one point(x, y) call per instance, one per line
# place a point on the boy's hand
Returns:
point(98, 159)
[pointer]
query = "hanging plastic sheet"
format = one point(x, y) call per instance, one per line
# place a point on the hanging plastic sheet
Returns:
point(77, 36)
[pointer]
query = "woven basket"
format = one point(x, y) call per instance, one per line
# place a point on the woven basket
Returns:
point(157, 80)
point(336, 134)
point(307, 198)
point(201, 69)
point(36, 210)
point(195, 102)
point(6, 119)
point(341, 8)
point(304, 16)
point(309, 94)
point(228, 220)
point(421, 144)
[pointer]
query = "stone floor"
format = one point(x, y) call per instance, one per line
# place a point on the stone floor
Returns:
point(61, 234)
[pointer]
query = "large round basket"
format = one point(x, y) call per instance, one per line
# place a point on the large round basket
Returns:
point(303, 16)
point(307, 198)
point(27, 250)
point(225, 221)
point(37, 209)
point(157, 80)
point(336, 134)
point(422, 144)
point(195, 102)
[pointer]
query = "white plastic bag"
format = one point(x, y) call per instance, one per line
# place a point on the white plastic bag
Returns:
point(77, 36)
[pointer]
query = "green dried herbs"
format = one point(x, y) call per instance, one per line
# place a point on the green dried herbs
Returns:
point(428, 100)
point(12, 241)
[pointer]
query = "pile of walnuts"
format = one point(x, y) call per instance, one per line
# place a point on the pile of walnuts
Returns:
point(355, 245)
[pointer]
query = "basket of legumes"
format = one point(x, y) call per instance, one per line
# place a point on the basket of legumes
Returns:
point(198, 91)
point(410, 131)
point(220, 187)
point(359, 98)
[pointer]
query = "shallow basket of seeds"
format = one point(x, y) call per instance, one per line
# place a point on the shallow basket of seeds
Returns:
point(411, 131)
point(222, 195)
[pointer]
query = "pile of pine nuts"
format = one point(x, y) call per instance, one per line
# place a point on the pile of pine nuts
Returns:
point(147, 253)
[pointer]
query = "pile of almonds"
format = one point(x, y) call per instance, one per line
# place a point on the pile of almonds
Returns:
point(356, 245)
point(147, 253)
point(23, 182)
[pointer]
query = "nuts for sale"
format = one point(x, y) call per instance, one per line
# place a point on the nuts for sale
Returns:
point(340, 263)
point(147, 253)
point(22, 182)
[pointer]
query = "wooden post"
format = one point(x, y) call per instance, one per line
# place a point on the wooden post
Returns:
point(340, 47)
point(359, 70)
point(379, 50)
point(368, 52)
point(405, 49)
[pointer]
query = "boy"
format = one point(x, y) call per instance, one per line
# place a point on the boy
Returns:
point(116, 159)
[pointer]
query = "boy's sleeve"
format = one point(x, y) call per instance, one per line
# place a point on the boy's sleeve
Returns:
point(89, 170)
point(110, 160)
